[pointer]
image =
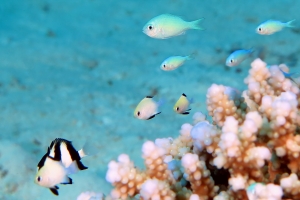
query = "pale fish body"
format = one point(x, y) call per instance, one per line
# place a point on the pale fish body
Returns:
point(272, 26)
point(51, 174)
point(237, 57)
point(147, 108)
point(165, 26)
point(174, 62)
point(182, 105)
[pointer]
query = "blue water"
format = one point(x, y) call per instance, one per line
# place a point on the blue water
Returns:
point(77, 69)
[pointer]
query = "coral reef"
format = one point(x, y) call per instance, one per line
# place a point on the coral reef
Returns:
point(250, 150)
point(90, 196)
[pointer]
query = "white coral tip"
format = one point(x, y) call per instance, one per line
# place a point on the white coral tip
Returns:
point(194, 197)
point(237, 183)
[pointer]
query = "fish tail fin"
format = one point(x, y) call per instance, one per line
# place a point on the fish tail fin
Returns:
point(88, 149)
point(191, 56)
point(290, 23)
point(260, 52)
point(160, 102)
point(196, 24)
point(191, 100)
point(293, 74)
point(251, 51)
point(289, 75)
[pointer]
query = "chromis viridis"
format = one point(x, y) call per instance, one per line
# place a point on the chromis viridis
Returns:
point(174, 62)
point(166, 25)
point(238, 56)
point(272, 26)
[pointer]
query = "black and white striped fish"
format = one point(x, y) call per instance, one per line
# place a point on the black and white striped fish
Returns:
point(60, 160)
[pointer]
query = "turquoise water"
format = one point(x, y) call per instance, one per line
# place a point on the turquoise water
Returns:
point(77, 69)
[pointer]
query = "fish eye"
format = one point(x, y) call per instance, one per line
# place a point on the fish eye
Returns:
point(259, 29)
point(164, 65)
point(177, 108)
point(150, 27)
point(39, 178)
point(231, 60)
point(138, 113)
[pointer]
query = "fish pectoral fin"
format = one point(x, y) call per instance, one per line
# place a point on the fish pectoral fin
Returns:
point(54, 190)
point(186, 112)
point(152, 116)
point(67, 181)
point(182, 33)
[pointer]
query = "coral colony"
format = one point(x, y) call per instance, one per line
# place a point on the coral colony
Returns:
point(250, 150)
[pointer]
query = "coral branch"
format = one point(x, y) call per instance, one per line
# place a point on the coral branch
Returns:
point(250, 150)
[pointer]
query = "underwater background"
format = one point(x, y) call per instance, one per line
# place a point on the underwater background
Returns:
point(77, 69)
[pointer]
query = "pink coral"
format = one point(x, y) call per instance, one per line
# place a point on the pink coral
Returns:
point(250, 150)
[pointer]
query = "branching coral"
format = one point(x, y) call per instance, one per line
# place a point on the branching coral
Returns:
point(250, 150)
point(225, 101)
point(125, 177)
point(199, 176)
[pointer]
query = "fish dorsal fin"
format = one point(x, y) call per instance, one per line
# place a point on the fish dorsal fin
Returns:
point(68, 153)
point(149, 97)
point(54, 151)
point(63, 150)
point(42, 161)
point(57, 153)
point(171, 15)
point(80, 165)
point(183, 94)
point(52, 144)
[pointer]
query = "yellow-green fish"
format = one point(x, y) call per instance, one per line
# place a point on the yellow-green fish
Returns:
point(238, 56)
point(166, 25)
point(182, 105)
point(147, 108)
point(272, 26)
point(174, 62)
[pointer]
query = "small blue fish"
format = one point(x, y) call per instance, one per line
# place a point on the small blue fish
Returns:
point(174, 62)
point(289, 75)
point(238, 56)
point(272, 26)
point(286, 74)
